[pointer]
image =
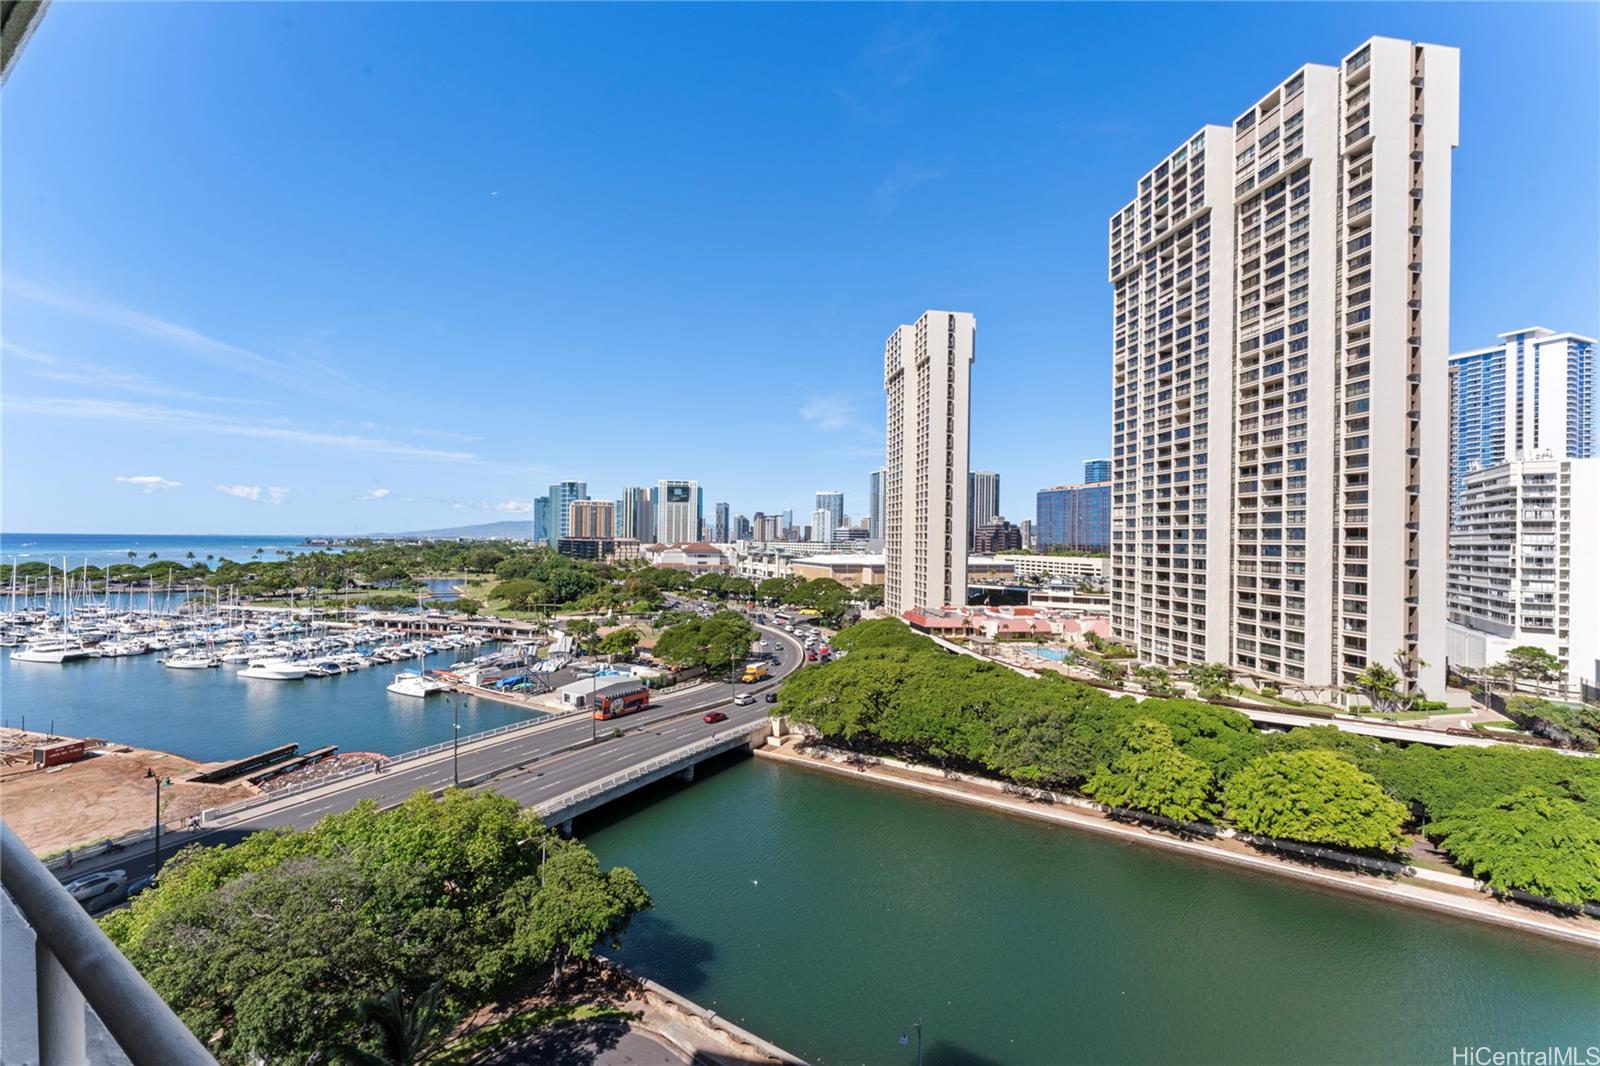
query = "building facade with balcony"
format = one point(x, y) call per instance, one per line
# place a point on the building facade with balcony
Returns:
point(1523, 570)
point(1280, 408)
point(591, 519)
point(927, 382)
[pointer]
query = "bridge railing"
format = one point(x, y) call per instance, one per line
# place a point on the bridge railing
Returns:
point(75, 964)
point(601, 787)
point(357, 771)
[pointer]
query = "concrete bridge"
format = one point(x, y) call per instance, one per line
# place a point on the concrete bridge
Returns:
point(680, 763)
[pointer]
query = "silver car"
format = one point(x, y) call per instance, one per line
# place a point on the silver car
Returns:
point(93, 886)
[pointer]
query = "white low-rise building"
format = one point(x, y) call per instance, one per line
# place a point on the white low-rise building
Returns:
point(1091, 568)
point(1523, 565)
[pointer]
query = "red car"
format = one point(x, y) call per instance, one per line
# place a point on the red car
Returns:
point(811, 656)
point(711, 717)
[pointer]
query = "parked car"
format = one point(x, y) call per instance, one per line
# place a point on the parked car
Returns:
point(93, 886)
point(713, 717)
point(811, 656)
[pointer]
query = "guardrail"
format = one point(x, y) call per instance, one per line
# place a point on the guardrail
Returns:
point(660, 762)
point(367, 770)
point(74, 964)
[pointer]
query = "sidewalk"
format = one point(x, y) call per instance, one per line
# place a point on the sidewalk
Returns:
point(1448, 893)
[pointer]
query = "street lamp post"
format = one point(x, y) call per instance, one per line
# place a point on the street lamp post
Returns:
point(151, 775)
point(594, 730)
point(455, 739)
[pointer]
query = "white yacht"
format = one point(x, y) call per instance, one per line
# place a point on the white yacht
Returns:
point(411, 683)
point(191, 660)
point(275, 670)
point(113, 649)
point(236, 653)
point(51, 650)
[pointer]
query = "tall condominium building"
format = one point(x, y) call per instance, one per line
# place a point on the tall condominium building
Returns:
point(721, 532)
point(741, 527)
point(1523, 569)
point(1096, 471)
point(822, 525)
point(983, 500)
point(559, 509)
point(1281, 311)
point(591, 520)
point(1074, 516)
point(541, 519)
point(875, 503)
point(927, 379)
point(635, 516)
point(678, 513)
point(1533, 393)
point(833, 503)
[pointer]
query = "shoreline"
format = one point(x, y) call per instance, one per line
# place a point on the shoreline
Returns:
point(1447, 899)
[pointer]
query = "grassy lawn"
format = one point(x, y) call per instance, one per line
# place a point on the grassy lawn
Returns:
point(493, 1036)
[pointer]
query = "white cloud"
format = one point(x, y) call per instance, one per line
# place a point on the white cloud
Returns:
point(271, 494)
point(178, 418)
point(514, 506)
point(374, 494)
point(148, 484)
point(172, 334)
point(47, 367)
point(829, 413)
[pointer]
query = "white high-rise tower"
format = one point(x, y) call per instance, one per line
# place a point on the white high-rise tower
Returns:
point(927, 378)
point(1280, 411)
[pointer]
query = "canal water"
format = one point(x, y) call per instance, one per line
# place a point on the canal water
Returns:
point(828, 915)
point(211, 715)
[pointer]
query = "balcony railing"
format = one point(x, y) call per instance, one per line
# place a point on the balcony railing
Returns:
point(75, 964)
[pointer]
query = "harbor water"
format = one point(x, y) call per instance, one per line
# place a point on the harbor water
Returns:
point(211, 715)
point(829, 915)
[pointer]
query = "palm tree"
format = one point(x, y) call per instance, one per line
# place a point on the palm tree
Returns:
point(132, 553)
point(408, 1034)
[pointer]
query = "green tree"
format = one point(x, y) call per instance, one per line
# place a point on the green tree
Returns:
point(1110, 670)
point(1529, 662)
point(1381, 687)
point(575, 906)
point(407, 1033)
point(274, 944)
point(1156, 681)
point(1151, 774)
point(620, 642)
point(1315, 797)
point(1211, 680)
point(582, 631)
point(1531, 842)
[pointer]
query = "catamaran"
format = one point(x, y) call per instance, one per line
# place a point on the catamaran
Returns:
point(51, 650)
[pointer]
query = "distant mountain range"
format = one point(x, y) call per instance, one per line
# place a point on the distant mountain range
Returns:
point(486, 530)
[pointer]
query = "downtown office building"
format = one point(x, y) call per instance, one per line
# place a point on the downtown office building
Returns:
point(1281, 312)
point(927, 381)
point(1532, 394)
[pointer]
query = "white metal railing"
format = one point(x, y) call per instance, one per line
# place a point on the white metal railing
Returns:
point(357, 771)
point(605, 785)
point(76, 965)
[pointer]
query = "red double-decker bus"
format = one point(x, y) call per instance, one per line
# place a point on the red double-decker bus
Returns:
point(615, 704)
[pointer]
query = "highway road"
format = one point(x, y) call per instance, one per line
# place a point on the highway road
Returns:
point(531, 765)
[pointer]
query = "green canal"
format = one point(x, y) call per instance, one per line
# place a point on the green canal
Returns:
point(828, 915)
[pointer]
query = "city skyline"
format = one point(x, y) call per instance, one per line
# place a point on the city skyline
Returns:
point(406, 378)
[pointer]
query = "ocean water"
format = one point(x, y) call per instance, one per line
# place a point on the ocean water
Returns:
point(103, 549)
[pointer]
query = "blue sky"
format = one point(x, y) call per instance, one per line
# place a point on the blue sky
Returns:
point(356, 268)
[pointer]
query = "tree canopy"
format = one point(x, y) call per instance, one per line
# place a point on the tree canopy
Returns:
point(1151, 774)
point(1317, 798)
point(1530, 841)
point(714, 642)
point(274, 944)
